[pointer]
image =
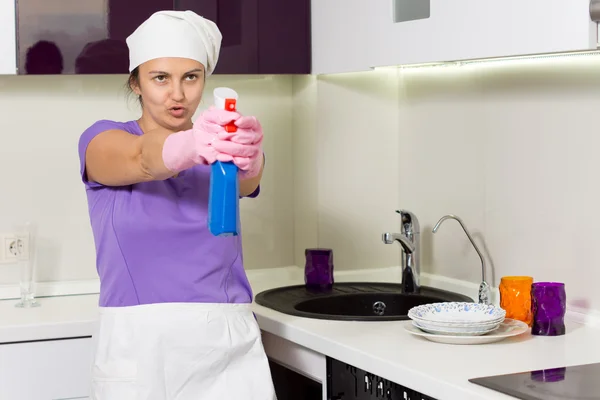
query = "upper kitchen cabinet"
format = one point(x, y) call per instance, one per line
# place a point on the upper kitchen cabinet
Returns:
point(341, 32)
point(78, 37)
point(284, 37)
point(259, 36)
point(123, 17)
point(238, 22)
point(88, 37)
point(8, 48)
point(354, 35)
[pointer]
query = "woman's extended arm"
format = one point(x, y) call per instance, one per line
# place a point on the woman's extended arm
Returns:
point(118, 158)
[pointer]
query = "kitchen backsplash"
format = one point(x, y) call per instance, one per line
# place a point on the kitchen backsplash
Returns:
point(43, 117)
point(511, 148)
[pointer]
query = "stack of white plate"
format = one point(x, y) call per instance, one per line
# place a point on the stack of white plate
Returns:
point(457, 318)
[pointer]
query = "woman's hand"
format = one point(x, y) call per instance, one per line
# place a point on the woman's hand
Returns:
point(184, 149)
point(243, 147)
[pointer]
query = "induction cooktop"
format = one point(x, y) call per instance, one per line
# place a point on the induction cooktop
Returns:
point(580, 382)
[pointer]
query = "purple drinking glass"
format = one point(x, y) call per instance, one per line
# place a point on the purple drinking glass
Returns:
point(318, 271)
point(549, 375)
point(549, 301)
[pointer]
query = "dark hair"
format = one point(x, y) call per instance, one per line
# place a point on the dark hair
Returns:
point(133, 80)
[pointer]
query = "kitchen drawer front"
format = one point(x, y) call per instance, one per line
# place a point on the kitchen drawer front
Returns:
point(295, 357)
point(53, 369)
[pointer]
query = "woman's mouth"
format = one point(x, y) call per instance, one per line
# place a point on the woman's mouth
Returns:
point(177, 112)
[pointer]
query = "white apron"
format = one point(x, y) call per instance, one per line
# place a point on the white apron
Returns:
point(180, 351)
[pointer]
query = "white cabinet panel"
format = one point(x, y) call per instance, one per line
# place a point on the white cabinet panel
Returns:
point(8, 39)
point(50, 370)
point(354, 35)
point(340, 35)
point(467, 29)
point(298, 358)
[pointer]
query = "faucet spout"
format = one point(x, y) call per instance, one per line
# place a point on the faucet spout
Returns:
point(407, 245)
point(410, 241)
point(484, 295)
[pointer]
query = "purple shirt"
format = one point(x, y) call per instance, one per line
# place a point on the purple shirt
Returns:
point(152, 239)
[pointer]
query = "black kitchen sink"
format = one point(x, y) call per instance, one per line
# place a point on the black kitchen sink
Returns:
point(352, 301)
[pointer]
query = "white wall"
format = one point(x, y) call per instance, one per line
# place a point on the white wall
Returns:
point(511, 148)
point(305, 166)
point(42, 118)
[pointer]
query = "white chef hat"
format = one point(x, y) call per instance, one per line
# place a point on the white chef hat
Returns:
point(182, 34)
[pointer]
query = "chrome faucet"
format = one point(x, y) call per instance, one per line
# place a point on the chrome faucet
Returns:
point(410, 240)
point(484, 295)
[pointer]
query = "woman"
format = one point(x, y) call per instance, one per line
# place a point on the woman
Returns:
point(175, 316)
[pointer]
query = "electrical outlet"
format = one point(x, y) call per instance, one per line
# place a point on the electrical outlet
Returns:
point(10, 248)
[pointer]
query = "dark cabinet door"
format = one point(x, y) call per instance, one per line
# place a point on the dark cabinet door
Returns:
point(51, 34)
point(79, 36)
point(124, 16)
point(237, 20)
point(88, 36)
point(284, 45)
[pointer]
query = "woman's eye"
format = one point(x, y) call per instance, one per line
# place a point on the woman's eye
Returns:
point(160, 78)
point(191, 77)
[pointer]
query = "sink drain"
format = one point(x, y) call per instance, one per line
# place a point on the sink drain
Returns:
point(379, 307)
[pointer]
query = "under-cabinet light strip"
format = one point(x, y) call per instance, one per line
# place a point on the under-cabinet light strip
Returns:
point(495, 60)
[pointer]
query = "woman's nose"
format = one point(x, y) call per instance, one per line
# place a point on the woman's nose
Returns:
point(177, 92)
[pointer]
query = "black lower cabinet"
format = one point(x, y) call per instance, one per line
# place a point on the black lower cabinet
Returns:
point(346, 382)
point(290, 385)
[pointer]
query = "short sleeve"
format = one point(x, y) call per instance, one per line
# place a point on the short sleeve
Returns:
point(255, 193)
point(85, 139)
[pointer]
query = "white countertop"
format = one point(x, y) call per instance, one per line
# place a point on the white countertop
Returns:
point(382, 348)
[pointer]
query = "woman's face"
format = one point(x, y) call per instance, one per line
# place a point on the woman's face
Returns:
point(171, 90)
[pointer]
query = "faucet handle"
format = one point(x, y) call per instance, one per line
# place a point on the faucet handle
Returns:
point(410, 222)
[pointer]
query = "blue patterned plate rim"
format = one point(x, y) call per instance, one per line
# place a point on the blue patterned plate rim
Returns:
point(457, 311)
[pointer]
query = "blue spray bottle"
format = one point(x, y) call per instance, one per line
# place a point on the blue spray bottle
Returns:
point(224, 192)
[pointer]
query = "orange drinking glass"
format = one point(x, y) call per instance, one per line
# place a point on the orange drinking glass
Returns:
point(515, 297)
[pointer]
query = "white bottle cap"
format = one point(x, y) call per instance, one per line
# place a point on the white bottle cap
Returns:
point(221, 94)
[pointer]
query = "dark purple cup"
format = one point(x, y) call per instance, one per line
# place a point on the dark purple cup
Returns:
point(549, 302)
point(549, 375)
point(318, 270)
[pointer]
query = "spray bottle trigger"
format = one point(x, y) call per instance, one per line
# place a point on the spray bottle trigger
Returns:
point(230, 105)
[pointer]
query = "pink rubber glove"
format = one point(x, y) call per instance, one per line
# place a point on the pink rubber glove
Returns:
point(243, 147)
point(183, 150)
